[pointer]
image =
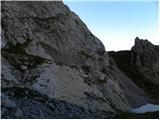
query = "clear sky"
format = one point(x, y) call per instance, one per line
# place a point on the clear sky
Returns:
point(117, 23)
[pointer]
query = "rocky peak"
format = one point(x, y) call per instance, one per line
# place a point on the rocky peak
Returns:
point(141, 42)
point(54, 67)
point(140, 45)
point(146, 57)
point(141, 65)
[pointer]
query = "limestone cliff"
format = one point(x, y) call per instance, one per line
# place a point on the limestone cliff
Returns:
point(54, 67)
point(141, 65)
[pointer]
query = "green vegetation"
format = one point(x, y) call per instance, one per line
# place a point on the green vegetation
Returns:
point(86, 55)
point(17, 56)
point(17, 60)
point(17, 49)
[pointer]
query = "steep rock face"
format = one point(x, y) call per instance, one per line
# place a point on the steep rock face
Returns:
point(146, 58)
point(141, 65)
point(51, 63)
point(54, 67)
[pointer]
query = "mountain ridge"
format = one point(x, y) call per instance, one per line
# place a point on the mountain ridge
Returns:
point(142, 57)
point(54, 67)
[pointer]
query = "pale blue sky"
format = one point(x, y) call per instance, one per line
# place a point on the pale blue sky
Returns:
point(117, 24)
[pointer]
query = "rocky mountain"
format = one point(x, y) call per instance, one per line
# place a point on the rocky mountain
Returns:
point(52, 66)
point(146, 58)
point(141, 64)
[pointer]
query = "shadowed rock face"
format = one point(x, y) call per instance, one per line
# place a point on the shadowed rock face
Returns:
point(54, 67)
point(146, 58)
point(141, 65)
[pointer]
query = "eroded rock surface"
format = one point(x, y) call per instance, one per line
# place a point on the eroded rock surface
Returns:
point(47, 49)
point(141, 65)
point(146, 58)
point(54, 67)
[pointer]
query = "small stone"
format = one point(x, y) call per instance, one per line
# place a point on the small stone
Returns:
point(23, 67)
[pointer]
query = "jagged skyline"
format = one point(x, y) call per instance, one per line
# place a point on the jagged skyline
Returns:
point(117, 24)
